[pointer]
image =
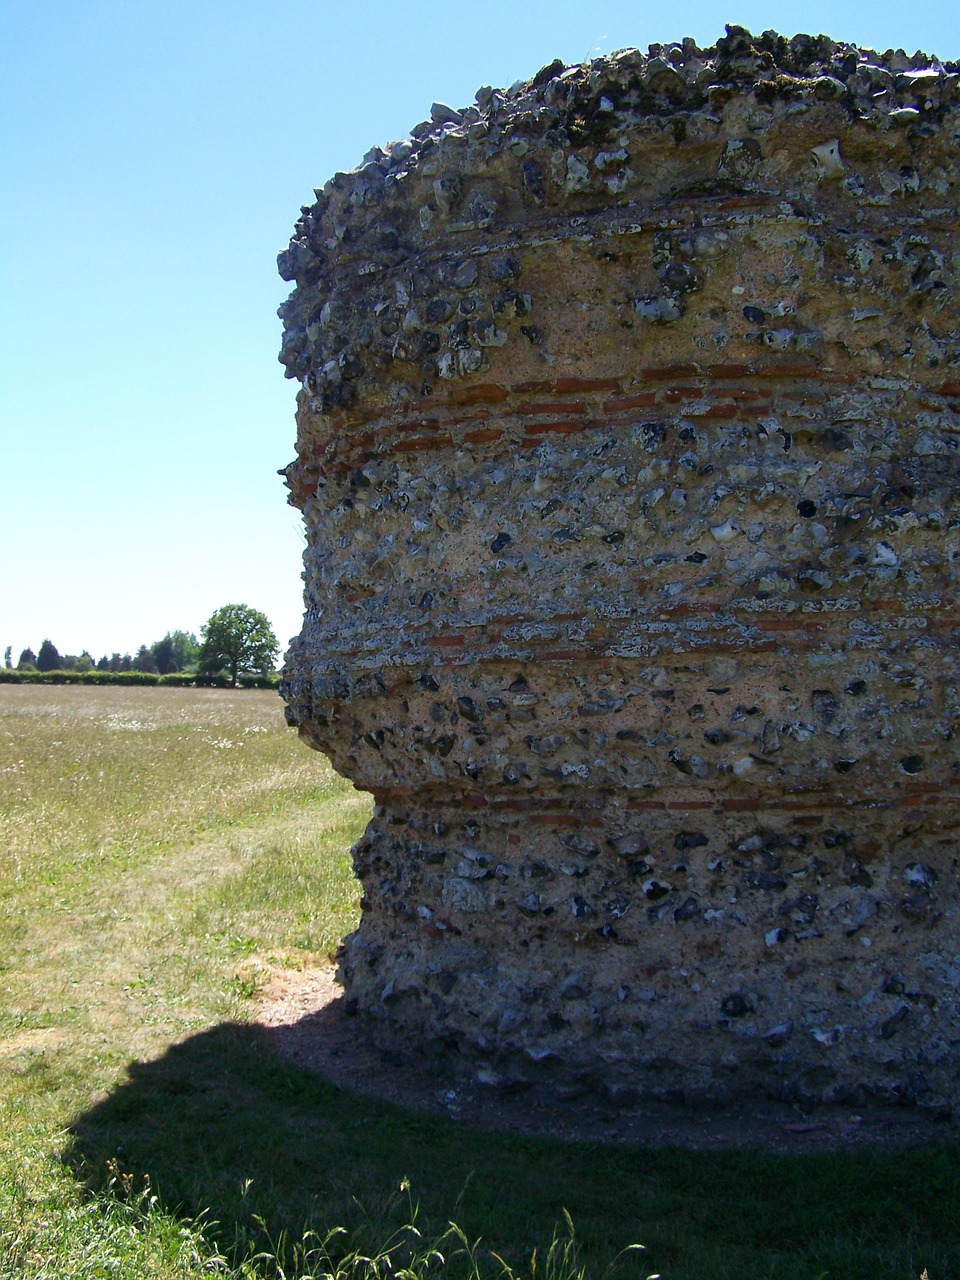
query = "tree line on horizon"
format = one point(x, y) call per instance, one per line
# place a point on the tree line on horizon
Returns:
point(234, 639)
point(177, 651)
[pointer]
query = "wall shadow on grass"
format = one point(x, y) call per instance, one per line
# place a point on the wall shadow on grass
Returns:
point(224, 1126)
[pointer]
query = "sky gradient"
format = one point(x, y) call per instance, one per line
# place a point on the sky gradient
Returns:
point(155, 156)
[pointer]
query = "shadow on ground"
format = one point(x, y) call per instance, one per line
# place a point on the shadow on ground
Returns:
point(224, 1125)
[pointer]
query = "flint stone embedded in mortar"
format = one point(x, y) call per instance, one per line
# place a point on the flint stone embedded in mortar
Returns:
point(628, 455)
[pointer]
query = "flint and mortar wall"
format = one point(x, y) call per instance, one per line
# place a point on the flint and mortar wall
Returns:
point(628, 457)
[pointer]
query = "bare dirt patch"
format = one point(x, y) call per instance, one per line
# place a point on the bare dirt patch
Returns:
point(306, 1019)
point(36, 1040)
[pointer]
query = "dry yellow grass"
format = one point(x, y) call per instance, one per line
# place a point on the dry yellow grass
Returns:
point(156, 847)
point(153, 844)
point(87, 774)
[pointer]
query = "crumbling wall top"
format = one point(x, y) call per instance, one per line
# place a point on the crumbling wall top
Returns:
point(605, 140)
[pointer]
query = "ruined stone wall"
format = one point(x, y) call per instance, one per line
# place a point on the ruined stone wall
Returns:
point(628, 457)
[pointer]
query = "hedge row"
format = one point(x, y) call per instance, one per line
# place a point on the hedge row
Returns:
point(178, 679)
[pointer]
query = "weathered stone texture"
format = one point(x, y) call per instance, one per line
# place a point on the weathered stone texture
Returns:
point(628, 456)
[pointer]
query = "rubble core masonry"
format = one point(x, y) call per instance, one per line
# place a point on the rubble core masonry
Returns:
point(629, 453)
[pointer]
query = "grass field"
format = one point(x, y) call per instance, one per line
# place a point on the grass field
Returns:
point(159, 849)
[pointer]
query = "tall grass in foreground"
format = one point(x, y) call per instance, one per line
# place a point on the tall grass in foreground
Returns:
point(160, 851)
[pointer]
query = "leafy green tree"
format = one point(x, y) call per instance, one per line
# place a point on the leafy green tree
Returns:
point(162, 653)
point(175, 652)
point(186, 649)
point(48, 659)
point(28, 661)
point(8, 656)
point(238, 638)
point(144, 660)
point(85, 661)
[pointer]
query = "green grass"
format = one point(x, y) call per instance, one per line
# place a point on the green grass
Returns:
point(160, 849)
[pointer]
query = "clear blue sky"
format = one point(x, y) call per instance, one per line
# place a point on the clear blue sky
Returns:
point(154, 156)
